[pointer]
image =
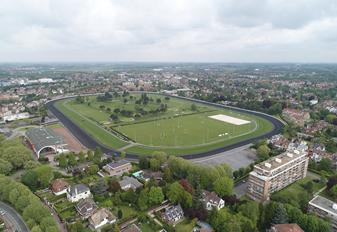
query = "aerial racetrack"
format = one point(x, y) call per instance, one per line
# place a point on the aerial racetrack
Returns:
point(141, 123)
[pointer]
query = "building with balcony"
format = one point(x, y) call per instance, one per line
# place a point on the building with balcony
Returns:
point(277, 173)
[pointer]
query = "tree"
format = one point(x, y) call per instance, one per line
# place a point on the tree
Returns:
point(30, 179)
point(114, 185)
point(31, 164)
point(120, 214)
point(167, 176)
point(325, 165)
point(175, 192)
point(63, 162)
point(72, 161)
point(154, 164)
point(223, 186)
point(5, 167)
point(45, 175)
point(90, 155)
point(331, 146)
point(93, 169)
point(250, 210)
point(263, 152)
point(22, 155)
point(129, 196)
point(193, 107)
point(333, 191)
point(309, 186)
point(142, 200)
point(155, 196)
point(81, 157)
point(97, 155)
point(100, 187)
point(186, 185)
point(280, 215)
point(143, 162)
point(330, 118)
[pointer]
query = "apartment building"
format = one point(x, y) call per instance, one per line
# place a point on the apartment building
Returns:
point(325, 209)
point(276, 173)
point(117, 168)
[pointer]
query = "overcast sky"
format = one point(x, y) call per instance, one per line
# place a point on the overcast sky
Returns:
point(168, 30)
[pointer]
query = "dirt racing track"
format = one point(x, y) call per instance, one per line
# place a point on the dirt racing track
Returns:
point(91, 143)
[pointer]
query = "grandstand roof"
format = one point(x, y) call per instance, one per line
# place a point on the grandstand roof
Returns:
point(44, 137)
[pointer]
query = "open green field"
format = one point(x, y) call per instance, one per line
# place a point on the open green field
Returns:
point(162, 124)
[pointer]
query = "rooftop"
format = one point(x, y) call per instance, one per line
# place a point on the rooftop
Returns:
point(43, 137)
point(279, 160)
point(324, 204)
point(77, 189)
point(287, 228)
point(118, 163)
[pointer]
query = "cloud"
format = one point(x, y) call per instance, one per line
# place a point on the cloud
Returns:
point(176, 30)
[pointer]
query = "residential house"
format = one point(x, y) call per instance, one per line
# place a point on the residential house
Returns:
point(286, 228)
point(117, 168)
point(100, 218)
point(318, 152)
point(130, 183)
point(173, 214)
point(299, 117)
point(146, 175)
point(86, 207)
point(279, 142)
point(78, 192)
point(325, 209)
point(212, 200)
point(132, 228)
point(59, 187)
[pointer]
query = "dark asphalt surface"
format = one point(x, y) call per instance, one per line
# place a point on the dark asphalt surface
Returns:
point(13, 218)
point(91, 143)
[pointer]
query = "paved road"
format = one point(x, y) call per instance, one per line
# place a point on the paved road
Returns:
point(241, 188)
point(236, 158)
point(13, 218)
point(91, 143)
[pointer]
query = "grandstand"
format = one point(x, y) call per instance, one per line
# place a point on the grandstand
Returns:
point(44, 141)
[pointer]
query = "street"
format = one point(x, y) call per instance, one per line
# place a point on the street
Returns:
point(12, 219)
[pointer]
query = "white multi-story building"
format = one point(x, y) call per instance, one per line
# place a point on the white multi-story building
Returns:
point(276, 173)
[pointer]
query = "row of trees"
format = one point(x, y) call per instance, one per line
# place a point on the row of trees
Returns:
point(10, 162)
point(71, 159)
point(27, 204)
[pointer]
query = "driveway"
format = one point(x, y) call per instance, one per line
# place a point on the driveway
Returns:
point(240, 189)
point(13, 219)
point(236, 158)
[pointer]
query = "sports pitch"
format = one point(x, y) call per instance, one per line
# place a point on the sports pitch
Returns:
point(180, 129)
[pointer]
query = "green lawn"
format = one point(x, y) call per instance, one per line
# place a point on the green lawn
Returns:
point(185, 226)
point(297, 194)
point(55, 125)
point(92, 128)
point(179, 130)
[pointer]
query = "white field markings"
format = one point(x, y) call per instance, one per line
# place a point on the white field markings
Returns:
point(90, 121)
point(256, 126)
point(229, 119)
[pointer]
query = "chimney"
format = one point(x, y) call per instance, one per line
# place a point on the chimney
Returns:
point(278, 160)
point(268, 165)
point(290, 155)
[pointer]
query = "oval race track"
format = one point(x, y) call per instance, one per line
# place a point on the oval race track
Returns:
point(91, 143)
